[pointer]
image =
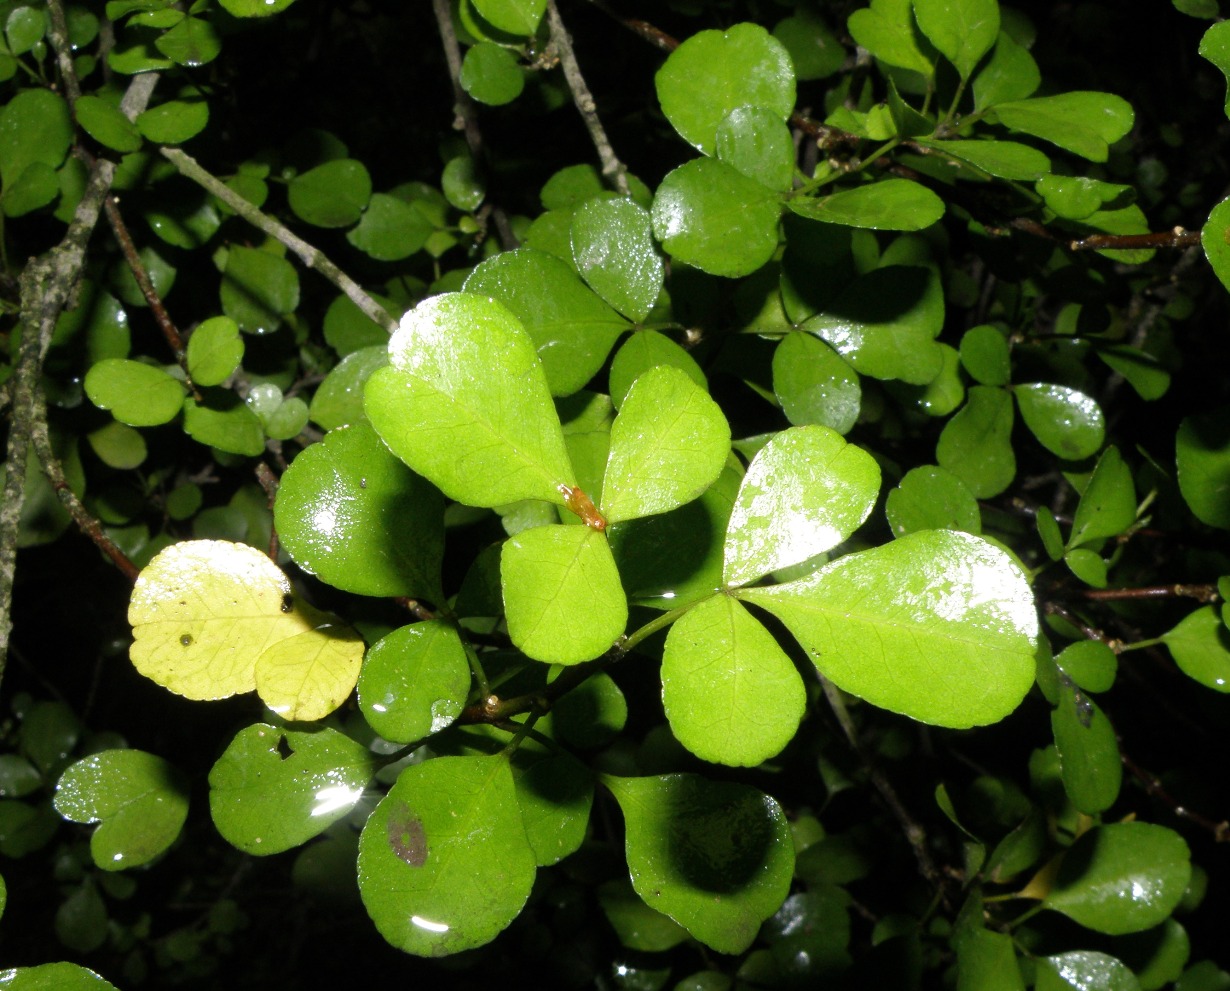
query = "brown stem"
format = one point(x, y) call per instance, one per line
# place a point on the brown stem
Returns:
point(269, 483)
point(612, 167)
point(1153, 786)
point(415, 608)
point(494, 709)
point(655, 36)
point(146, 285)
point(1201, 593)
point(466, 119)
point(1177, 238)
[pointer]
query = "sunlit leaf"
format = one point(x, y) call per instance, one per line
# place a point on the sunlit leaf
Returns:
point(308, 675)
point(612, 246)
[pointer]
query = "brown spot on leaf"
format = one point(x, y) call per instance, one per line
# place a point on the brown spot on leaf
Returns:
point(186, 640)
point(406, 835)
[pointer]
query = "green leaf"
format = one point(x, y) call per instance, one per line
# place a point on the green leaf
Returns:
point(391, 229)
point(483, 431)
point(258, 289)
point(175, 121)
point(886, 29)
point(731, 694)
point(518, 17)
point(757, 143)
point(637, 925)
point(976, 444)
point(963, 31)
point(1200, 645)
point(714, 72)
point(1009, 74)
point(463, 184)
point(490, 74)
point(275, 788)
point(215, 350)
point(414, 681)
point(53, 977)
point(1088, 752)
point(1084, 970)
point(939, 626)
point(714, 856)
point(118, 445)
point(709, 215)
point(1215, 46)
point(644, 350)
point(139, 800)
point(556, 793)
point(339, 399)
point(444, 863)
point(229, 425)
point(192, 42)
point(985, 355)
point(137, 394)
point(160, 271)
point(37, 186)
point(334, 194)
point(1066, 422)
point(1089, 663)
point(886, 322)
point(1078, 197)
point(106, 124)
point(930, 498)
point(347, 328)
point(986, 961)
point(1108, 505)
point(562, 595)
point(814, 384)
point(572, 329)
point(804, 493)
point(668, 444)
point(1121, 877)
point(886, 205)
point(1083, 122)
point(24, 29)
point(255, 8)
point(1003, 159)
point(1215, 238)
point(592, 714)
point(354, 515)
point(612, 246)
point(814, 49)
point(1202, 454)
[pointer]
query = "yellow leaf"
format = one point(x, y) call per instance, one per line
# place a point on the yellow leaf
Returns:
point(309, 675)
point(203, 611)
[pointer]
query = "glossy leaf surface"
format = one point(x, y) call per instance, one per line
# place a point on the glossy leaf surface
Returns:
point(668, 444)
point(1065, 421)
point(1200, 645)
point(484, 431)
point(730, 693)
point(930, 498)
point(612, 246)
point(887, 205)
point(414, 681)
point(1083, 122)
point(963, 31)
point(306, 676)
point(938, 626)
point(137, 394)
point(976, 444)
point(444, 864)
point(1108, 504)
point(1122, 877)
point(644, 350)
point(555, 794)
point(139, 801)
point(1088, 752)
point(275, 788)
point(886, 29)
point(804, 493)
point(1003, 159)
point(814, 384)
point(214, 351)
point(1202, 454)
point(757, 142)
point(562, 595)
point(1084, 970)
point(350, 512)
point(714, 856)
point(53, 977)
point(258, 289)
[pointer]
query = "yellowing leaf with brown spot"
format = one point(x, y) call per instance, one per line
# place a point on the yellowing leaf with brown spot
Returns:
point(309, 675)
point(203, 611)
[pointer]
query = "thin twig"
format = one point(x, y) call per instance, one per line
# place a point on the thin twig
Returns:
point(312, 257)
point(1201, 593)
point(1153, 786)
point(643, 29)
point(269, 482)
point(1176, 238)
point(129, 250)
point(612, 167)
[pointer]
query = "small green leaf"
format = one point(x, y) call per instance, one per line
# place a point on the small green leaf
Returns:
point(118, 445)
point(175, 121)
point(463, 184)
point(938, 625)
point(391, 229)
point(444, 863)
point(637, 925)
point(814, 384)
point(214, 351)
point(1108, 504)
point(1088, 565)
point(137, 394)
point(225, 423)
point(1088, 752)
point(106, 123)
point(814, 49)
point(484, 431)
point(1066, 422)
point(886, 29)
point(339, 399)
point(1003, 159)
point(612, 246)
point(886, 205)
point(258, 289)
point(731, 694)
point(1089, 663)
point(53, 977)
point(984, 353)
point(930, 498)
point(714, 856)
point(1084, 970)
point(414, 681)
point(1202, 453)
point(592, 714)
point(351, 513)
point(713, 72)
point(804, 493)
point(1009, 74)
point(562, 595)
point(1078, 197)
point(519, 17)
point(334, 194)
point(976, 445)
point(347, 328)
point(491, 75)
point(986, 961)
point(886, 322)
point(963, 31)
point(572, 329)
point(255, 8)
point(37, 186)
point(192, 42)
point(709, 215)
point(757, 142)
point(1215, 46)
point(1121, 877)
point(668, 444)
point(646, 349)
point(275, 788)
point(139, 800)
point(1083, 122)
point(1215, 238)
point(1200, 645)
point(555, 793)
